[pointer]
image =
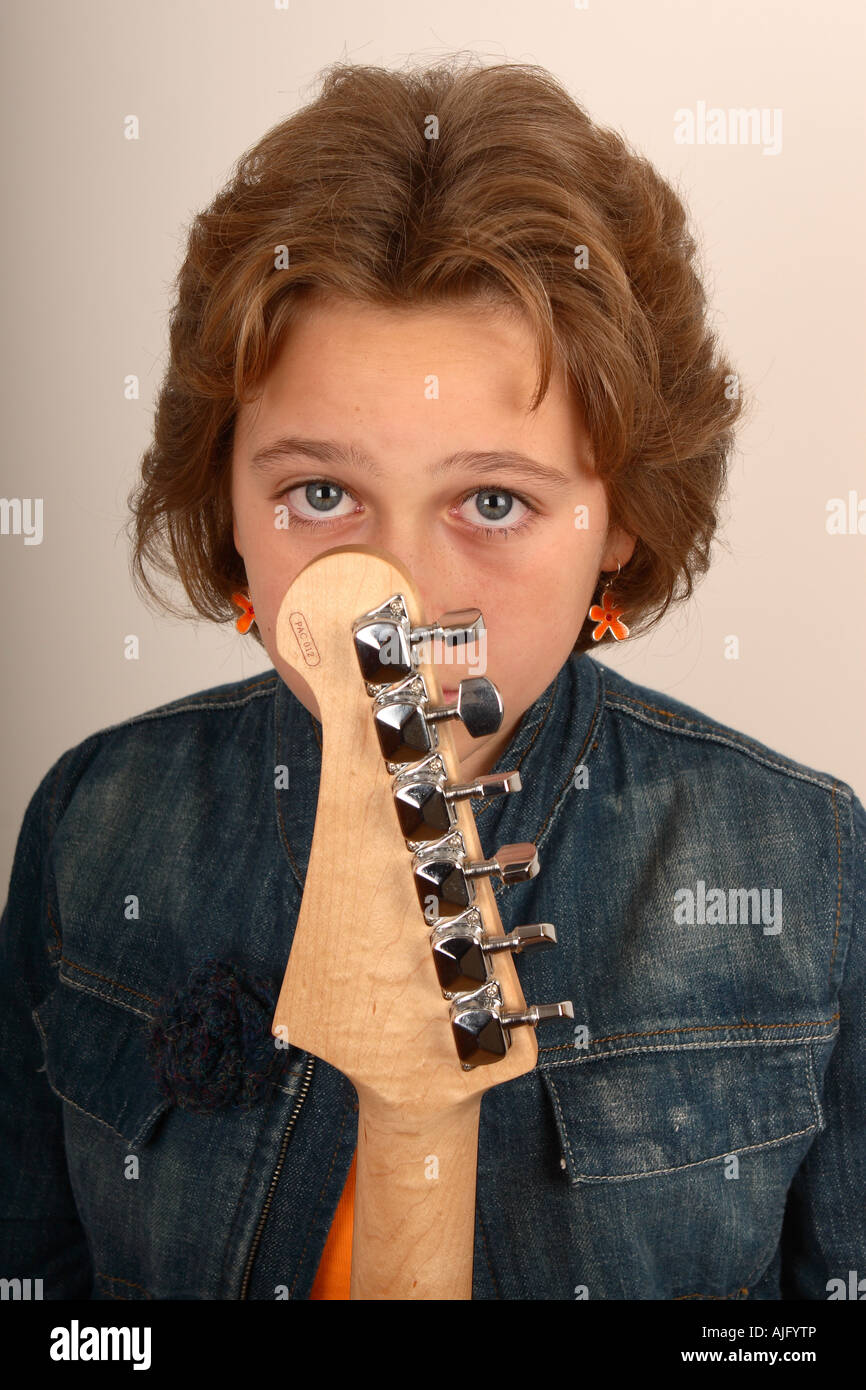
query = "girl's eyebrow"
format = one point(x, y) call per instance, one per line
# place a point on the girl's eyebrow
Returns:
point(269, 458)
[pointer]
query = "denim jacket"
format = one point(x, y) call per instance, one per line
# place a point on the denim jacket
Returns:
point(698, 1131)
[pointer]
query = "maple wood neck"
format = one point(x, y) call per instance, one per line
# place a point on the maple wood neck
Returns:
point(414, 1225)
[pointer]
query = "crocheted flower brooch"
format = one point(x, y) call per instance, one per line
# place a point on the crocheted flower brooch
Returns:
point(210, 1042)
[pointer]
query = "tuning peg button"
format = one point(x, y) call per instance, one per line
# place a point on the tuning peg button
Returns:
point(461, 949)
point(478, 705)
point(482, 1028)
point(406, 724)
point(442, 872)
point(455, 629)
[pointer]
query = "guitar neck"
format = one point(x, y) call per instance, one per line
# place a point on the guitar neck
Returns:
point(414, 1228)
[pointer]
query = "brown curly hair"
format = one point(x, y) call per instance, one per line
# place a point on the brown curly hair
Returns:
point(492, 210)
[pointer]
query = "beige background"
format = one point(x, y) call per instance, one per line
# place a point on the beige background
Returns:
point(93, 232)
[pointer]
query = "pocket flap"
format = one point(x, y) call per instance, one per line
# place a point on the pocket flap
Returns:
point(96, 1060)
point(639, 1114)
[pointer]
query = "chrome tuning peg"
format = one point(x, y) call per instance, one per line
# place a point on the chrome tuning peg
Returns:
point(461, 949)
point(425, 801)
point(482, 1030)
point(455, 629)
point(405, 722)
point(389, 648)
point(444, 876)
point(478, 706)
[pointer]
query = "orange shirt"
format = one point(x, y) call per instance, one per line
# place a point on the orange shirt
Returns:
point(335, 1266)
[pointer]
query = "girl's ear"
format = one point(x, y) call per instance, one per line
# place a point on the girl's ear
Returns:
point(620, 547)
point(235, 537)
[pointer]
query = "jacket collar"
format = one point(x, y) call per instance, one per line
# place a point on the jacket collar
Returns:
point(556, 735)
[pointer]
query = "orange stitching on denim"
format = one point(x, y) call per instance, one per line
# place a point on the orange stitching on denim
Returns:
point(130, 1283)
point(651, 1049)
point(703, 724)
point(674, 1168)
point(813, 1088)
point(108, 980)
point(89, 1113)
point(839, 881)
point(731, 738)
point(252, 685)
point(698, 1028)
point(562, 1126)
point(715, 1297)
point(106, 996)
point(203, 701)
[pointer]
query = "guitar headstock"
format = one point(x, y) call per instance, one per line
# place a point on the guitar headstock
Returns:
point(400, 974)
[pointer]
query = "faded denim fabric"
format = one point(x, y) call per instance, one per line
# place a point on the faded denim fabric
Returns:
point(703, 1137)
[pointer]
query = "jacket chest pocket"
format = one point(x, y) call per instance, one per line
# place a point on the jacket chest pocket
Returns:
point(678, 1164)
point(96, 1061)
point(650, 1113)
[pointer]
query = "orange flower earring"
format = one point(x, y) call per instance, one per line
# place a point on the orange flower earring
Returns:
point(248, 616)
point(606, 614)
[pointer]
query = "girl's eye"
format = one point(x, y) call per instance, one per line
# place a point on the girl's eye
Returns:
point(323, 498)
point(493, 506)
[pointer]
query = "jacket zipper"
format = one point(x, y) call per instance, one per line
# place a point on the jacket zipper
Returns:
point(305, 1086)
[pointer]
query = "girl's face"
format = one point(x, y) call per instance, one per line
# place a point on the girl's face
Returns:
point(401, 429)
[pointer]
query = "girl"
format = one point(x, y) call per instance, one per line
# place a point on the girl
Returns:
point(446, 315)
